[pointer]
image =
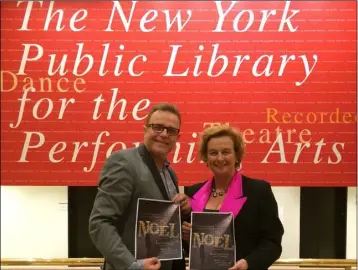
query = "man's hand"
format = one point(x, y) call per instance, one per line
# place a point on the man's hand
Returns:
point(151, 264)
point(186, 227)
point(182, 199)
point(240, 265)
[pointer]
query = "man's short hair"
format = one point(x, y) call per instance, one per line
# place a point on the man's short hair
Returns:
point(166, 107)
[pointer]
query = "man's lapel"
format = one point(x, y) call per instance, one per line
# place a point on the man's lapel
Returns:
point(148, 160)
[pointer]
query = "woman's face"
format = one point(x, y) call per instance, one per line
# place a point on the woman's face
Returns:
point(221, 156)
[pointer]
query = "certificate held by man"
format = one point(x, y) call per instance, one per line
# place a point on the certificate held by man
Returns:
point(212, 241)
point(158, 230)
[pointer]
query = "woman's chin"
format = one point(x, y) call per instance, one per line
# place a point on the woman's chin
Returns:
point(222, 171)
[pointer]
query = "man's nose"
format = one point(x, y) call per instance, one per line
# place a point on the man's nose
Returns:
point(220, 156)
point(164, 133)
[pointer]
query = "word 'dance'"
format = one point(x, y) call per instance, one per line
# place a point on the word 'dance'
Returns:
point(211, 240)
point(160, 229)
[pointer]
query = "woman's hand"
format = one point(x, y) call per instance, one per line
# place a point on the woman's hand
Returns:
point(183, 200)
point(240, 265)
point(186, 228)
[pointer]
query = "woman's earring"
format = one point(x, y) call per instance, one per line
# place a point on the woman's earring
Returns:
point(240, 166)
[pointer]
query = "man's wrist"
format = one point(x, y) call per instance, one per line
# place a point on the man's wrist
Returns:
point(137, 265)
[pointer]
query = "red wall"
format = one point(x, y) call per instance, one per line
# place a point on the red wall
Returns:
point(288, 81)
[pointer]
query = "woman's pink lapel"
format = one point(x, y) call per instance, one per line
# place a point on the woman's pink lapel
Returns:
point(201, 197)
point(233, 202)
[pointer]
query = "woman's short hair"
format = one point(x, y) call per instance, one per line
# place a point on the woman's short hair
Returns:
point(221, 131)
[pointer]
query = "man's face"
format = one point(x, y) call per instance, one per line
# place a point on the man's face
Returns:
point(161, 141)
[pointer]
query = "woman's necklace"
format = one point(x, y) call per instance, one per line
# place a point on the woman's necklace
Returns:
point(218, 193)
point(215, 192)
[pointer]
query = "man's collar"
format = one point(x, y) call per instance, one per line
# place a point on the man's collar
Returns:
point(166, 163)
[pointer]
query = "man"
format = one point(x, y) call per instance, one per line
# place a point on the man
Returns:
point(127, 175)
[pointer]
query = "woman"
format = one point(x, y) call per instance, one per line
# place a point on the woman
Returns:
point(258, 229)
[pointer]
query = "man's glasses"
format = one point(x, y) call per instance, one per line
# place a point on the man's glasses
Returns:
point(158, 128)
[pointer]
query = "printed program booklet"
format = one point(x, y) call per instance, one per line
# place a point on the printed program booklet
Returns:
point(212, 241)
point(158, 230)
